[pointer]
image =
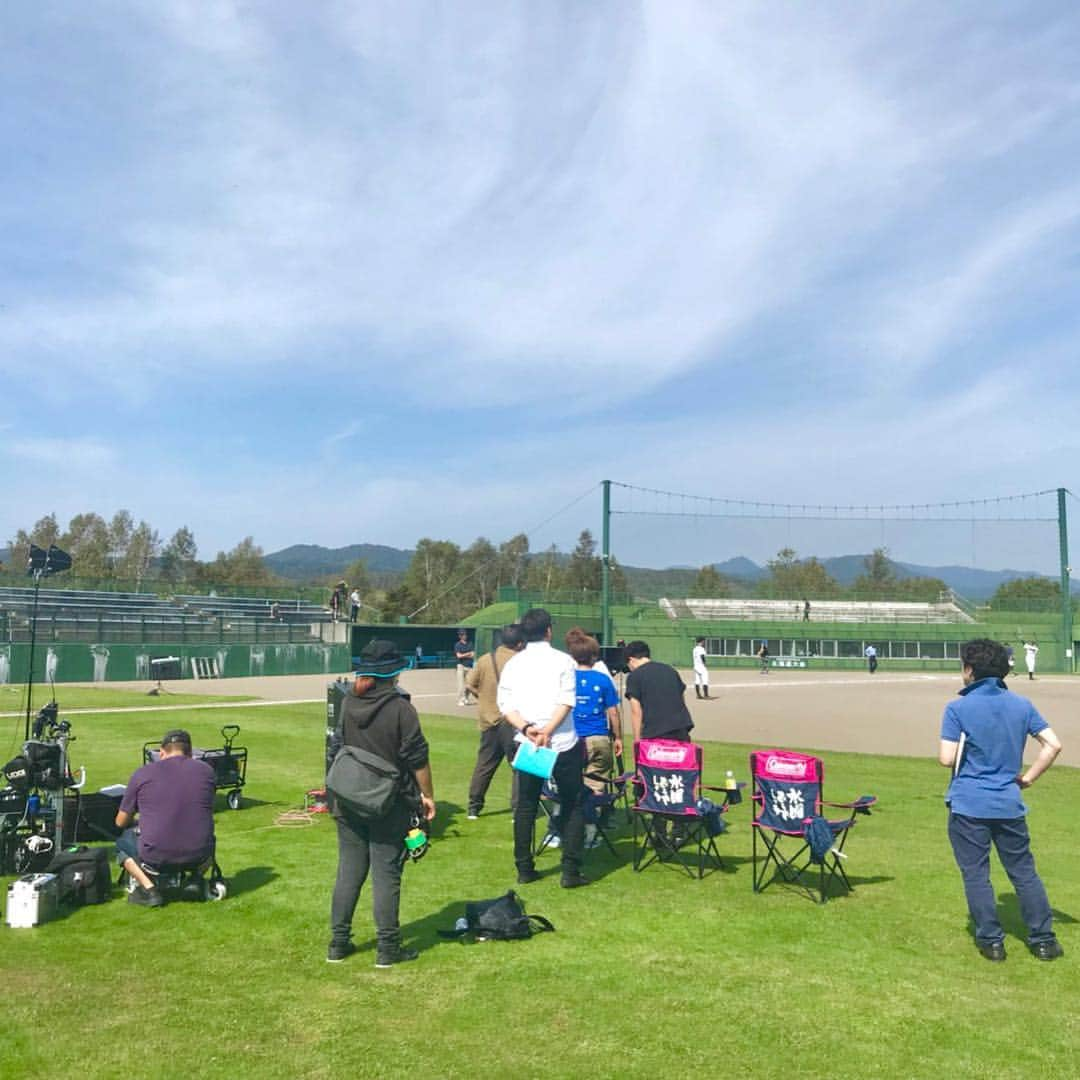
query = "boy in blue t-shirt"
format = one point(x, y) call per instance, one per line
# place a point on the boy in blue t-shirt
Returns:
point(596, 714)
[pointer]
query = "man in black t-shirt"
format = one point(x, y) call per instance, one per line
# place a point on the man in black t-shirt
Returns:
point(655, 692)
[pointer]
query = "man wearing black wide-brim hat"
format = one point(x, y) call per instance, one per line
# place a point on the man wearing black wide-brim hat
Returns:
point(377, 718)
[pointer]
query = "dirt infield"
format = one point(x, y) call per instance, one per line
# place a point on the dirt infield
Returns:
point(886, 713)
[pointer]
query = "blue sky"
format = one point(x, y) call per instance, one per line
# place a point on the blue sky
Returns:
point(351, 272)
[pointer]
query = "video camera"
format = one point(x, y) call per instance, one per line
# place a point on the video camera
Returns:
point(43, 761)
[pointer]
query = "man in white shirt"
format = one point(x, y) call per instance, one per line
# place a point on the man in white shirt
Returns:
point(536, 695)
point(701, 672)
point(1031, 650)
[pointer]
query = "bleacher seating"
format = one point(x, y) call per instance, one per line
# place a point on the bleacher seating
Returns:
point(86, 615)
point(289, 611)
point(826, 611)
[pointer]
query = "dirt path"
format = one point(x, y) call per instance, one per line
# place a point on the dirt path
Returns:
point(887, 713)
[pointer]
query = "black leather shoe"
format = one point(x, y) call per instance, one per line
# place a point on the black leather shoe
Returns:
point(574, 881)
point(527, 877)
point(994, 951)
point(1047, 950)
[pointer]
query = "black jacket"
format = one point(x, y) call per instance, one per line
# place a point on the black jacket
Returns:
point(383, 722)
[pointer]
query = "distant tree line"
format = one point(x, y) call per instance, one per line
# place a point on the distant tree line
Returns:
point(444, 582)
point(123, 550)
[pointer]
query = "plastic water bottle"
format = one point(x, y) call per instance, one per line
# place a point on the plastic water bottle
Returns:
point(729, 781)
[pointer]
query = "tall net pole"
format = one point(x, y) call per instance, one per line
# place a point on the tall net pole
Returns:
point(1066, 593)
point(605, 564)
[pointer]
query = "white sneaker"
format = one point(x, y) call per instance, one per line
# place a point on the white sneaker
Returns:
point(473, 817)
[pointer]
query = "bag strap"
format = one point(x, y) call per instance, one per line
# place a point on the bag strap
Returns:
point(540, 923)
point(378, 709)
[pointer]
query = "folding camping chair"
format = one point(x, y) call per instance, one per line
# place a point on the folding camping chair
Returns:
point(668, 795)
point(594, 809)
point(549, 803)
point(787, 789)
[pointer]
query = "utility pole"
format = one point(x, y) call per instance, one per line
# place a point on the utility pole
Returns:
point(1068, 661)
point(605, 565)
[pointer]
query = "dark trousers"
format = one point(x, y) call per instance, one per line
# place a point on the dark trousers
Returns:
point(971, 839)
point(496, 743)
point(380, 848)
point(567, 777)
point(872, 663)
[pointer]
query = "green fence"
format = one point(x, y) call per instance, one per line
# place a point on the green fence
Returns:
point(67, 662)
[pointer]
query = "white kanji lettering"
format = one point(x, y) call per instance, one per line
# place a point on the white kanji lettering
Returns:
point(788, 805)
point(669, 790)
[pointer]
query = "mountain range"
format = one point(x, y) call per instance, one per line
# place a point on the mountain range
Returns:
point(306, 562)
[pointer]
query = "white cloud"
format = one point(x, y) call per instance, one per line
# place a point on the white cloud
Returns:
point(612, 193)
point(507, 207)
point(74, 454)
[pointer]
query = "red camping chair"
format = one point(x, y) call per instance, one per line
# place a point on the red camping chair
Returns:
point(679, 825)
point(788, 820)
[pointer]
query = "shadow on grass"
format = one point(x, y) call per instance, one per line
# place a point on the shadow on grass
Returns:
point(251, 878)
point(807, 885)
point(246, 803)
point(448, 819)
point(1012, 921)
point(424, 933)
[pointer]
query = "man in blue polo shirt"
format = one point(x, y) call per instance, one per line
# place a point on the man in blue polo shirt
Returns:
point(983, 735)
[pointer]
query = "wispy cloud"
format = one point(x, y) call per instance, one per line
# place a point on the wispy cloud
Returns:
point(74, 454)
point(741, 233)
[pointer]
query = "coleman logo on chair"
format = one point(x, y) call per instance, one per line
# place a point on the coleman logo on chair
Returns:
point(795, 769)
point(663, 752)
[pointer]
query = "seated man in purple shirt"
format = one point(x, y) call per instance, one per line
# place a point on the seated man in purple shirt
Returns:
point(174, 798)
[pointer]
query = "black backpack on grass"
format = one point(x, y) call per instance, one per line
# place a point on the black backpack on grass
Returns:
point(501, 919)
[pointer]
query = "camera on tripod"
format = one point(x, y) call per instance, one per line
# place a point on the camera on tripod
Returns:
point(42, 765)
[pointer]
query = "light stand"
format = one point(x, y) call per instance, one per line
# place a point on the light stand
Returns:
point(40, 563)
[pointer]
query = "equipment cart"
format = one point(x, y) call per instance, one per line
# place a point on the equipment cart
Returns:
point(228, 762)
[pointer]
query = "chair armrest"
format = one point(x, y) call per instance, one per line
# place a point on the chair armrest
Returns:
point(731, 797)
point(861, 805)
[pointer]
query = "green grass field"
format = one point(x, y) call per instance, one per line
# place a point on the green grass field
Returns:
point(13, 698)
point(648, 974)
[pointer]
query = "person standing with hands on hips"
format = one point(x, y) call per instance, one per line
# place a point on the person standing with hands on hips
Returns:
point(983, 735)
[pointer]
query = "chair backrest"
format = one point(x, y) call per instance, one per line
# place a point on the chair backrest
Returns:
point(667, 776)
point(787, 788)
